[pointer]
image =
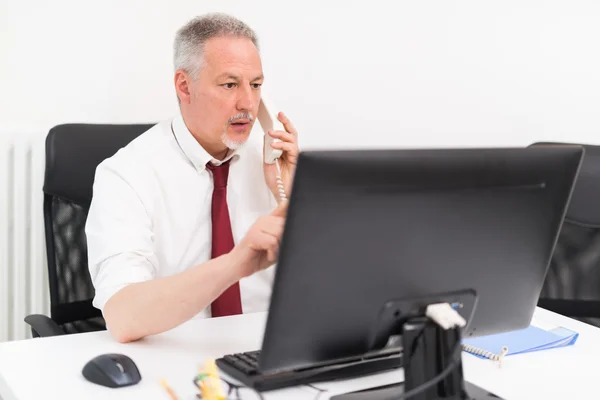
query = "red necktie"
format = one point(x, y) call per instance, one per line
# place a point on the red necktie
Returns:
point(229, 302)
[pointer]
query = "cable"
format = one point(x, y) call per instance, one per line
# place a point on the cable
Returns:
point(280, 186)
point(320, 391)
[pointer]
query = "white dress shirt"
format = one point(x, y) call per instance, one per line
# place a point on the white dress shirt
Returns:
point(150, 214)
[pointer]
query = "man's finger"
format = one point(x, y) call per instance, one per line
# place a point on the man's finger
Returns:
point(272, 256)
point(281, 210)
point(284, 136)
point(268, 240)
point(273, 226)
point(287, 123)
point(288, 147)
point(271, 237)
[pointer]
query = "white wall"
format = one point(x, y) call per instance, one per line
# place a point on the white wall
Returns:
point(358, 74)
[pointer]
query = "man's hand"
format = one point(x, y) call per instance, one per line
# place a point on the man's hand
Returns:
point(259, 249)
point(287, 161)
point(156, 305)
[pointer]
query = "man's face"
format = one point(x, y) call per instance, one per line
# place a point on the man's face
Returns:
point(224, 99)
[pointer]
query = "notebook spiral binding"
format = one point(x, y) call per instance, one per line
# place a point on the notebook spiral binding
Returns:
point(487, 354)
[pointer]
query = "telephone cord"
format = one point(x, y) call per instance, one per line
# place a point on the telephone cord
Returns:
point(280, 186)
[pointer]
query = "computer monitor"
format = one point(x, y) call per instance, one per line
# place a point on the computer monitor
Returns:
point(370, 226)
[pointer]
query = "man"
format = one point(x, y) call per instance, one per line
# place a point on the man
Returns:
point(184, 220)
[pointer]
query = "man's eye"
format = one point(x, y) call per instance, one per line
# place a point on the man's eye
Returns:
point(229, 85)
point(256, 85)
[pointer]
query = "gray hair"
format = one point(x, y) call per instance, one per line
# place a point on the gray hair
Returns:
point(190, 39)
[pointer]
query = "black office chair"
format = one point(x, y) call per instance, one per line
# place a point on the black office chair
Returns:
point(73, 151)
point(572, 285)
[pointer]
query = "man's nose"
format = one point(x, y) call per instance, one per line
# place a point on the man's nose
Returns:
point(245, 99)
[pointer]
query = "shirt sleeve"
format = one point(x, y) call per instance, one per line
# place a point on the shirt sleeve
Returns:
point(118, 232)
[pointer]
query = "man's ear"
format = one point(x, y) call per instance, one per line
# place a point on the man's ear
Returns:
point(182, 86)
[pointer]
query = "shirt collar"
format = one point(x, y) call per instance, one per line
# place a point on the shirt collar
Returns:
point(197, 155)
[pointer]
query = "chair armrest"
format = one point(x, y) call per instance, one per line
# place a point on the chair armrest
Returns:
point(43, 326)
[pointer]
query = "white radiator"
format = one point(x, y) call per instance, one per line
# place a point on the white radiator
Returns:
point(23, 266)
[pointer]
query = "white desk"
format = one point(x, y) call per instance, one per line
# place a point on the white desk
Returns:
point(41, 369)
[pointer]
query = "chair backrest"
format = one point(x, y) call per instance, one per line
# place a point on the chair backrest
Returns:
point(73, 151)
point(572, 285)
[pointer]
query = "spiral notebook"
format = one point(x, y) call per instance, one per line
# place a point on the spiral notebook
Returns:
point(526, 340)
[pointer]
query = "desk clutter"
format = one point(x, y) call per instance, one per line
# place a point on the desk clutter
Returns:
point(495, 347)
point(212, 386)
point(209, 382)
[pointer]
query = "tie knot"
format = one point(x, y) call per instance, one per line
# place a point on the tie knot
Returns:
point(220, 173)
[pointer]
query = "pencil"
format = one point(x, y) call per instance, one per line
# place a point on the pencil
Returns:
point(168, 389)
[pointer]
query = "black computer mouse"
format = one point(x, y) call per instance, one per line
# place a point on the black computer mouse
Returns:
point(112, 370)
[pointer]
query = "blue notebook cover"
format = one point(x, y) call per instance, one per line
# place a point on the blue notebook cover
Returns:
point(522, 341)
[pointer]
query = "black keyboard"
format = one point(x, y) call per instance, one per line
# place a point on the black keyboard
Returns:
point(244, 367)
point(247, 363)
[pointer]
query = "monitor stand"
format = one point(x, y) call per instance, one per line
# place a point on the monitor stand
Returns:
point(429, 351)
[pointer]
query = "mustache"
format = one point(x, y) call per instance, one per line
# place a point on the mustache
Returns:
point(243, 115)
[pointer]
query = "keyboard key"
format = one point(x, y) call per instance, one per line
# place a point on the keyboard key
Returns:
point(249, 360)
point(240, 364)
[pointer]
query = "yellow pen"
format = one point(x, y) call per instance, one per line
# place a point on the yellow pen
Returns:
point(168, 389)
point(214, 387)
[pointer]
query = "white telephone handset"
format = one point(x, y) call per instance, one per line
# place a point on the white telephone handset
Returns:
point(269, 122)
point(267, 117)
